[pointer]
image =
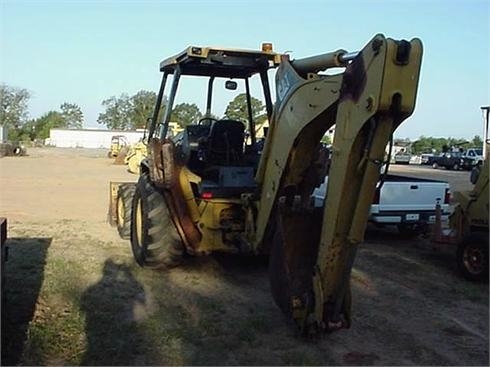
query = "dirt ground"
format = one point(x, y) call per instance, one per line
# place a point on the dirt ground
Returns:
point(75, 296)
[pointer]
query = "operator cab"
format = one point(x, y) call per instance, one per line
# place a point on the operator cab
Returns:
point(223, 152)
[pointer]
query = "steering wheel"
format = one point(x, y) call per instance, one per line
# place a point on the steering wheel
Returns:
point(204, 120)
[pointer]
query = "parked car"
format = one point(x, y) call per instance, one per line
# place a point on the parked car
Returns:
point(402, 157)
point(457, 160)
point(474, 156)
point(427, 158)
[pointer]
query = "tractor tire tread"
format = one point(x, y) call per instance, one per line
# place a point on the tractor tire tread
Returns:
point(164, 247)
point(126, 192)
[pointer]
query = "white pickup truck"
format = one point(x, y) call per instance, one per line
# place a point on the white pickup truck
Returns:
point(409, 203)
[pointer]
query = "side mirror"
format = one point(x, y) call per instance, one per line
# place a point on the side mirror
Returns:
point(231, 85)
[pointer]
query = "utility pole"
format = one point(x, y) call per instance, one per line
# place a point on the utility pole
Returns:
point(486, 141)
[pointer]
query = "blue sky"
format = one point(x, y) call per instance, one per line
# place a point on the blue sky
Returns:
point(85, 51)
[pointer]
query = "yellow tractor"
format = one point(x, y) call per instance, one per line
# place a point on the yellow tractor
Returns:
point(468, 224)
point(211, 188)
point(136, 153)
point(118, 142)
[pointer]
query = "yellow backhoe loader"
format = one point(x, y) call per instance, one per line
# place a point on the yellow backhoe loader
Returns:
point(118, 144)
point(210, 188)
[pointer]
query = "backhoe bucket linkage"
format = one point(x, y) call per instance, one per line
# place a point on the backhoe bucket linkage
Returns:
point(312, 253)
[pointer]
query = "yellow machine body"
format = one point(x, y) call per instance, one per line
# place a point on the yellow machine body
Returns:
point(311, 251)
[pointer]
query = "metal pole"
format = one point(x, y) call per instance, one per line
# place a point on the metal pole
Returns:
point(251, 122)
point(170, 104)
point(486, 112)
point(210, 96)
point(158, 103)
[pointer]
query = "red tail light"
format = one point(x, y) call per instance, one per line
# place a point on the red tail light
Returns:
point(376, 196)
point(207, 195)
point(447, 196)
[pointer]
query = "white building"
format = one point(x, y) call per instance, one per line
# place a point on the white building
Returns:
point(89, 138)
point(3, 133)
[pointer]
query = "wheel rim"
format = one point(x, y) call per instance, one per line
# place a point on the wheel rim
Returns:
point(120, 211)
point(139, 225)
point(474, 259)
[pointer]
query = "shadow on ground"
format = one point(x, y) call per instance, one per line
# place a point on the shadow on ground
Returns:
point(24, 276)
point(113, 308)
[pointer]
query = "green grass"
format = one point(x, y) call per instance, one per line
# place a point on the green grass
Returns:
point(76, 299)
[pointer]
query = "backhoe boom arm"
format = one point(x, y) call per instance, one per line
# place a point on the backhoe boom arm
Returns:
point(312, 253)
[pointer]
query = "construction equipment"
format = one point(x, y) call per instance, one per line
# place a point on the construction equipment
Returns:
point(118, 142)
point(136, 153)
point(468, 224)
point(208, 190)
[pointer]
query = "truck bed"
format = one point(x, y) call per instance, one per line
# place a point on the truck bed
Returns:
point(403, 200)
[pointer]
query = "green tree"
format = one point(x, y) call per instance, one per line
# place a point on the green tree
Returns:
point(237, 109)
point(13, 105)
point(422, 145)
point(118, 111)
point(326, 139)
point(185, 114)
point(142, 106)
point(50, 120)
point(72, 114)
point(26, 132)
point(477, 141)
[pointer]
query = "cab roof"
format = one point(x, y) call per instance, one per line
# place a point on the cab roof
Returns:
point(220, 62)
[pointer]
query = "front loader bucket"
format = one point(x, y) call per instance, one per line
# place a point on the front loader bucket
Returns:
point(112, 213)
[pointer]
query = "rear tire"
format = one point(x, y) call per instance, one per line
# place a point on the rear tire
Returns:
point(472, 256)
point(456, 167)
point(435, 165)
point(154, 239)
point(124, 203)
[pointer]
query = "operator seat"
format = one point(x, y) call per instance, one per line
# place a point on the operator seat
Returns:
point(225, 143)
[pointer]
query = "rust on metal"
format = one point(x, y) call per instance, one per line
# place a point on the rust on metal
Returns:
point(168, 174)
point(156, 165)
point(354, 79)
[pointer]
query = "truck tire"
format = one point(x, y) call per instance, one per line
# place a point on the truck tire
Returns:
point(125, 195)
point(472, 256)
point(155, 241)
point(475, 173)
point(435, 165)
point(456, 167)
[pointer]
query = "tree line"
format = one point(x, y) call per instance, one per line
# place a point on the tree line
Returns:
point(14, 114)
point(120, 113)
point(128, 113)
point(131, 112)
point(428, 144)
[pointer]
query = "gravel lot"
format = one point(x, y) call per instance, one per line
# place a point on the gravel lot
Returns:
point(75, 296)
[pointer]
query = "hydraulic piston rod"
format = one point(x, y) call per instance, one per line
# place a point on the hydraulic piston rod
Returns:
point(322, 62)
